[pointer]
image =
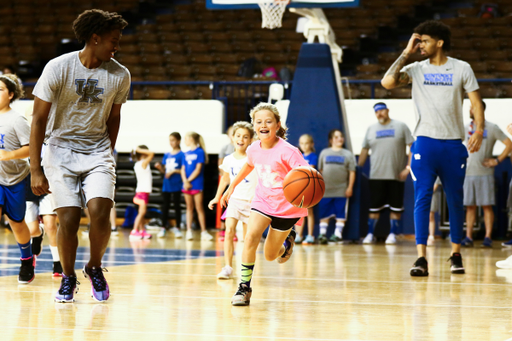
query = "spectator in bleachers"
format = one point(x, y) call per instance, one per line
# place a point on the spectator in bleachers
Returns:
point(144, 187)
point(479, 187)
point(388, 140)
point(338, 167)
point(172, 185)
point(192, 173)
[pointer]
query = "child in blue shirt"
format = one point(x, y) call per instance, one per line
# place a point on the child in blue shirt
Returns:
point(172, 185)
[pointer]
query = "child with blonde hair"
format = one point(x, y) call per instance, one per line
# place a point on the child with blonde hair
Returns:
point(239, 207)
point(144, 187)
point(272, 158)
point(192, 173)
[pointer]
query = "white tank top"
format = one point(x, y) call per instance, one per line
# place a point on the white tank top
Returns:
point(144, 178)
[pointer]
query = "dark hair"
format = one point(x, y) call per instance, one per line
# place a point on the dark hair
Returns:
point(14, 86)
point(176, 135)
point(331, 135)
point(135, 155)
point(97, 21)
point(436, 30)
point(485, 106)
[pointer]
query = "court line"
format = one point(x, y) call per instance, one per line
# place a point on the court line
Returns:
point(15, 251)
point(59, 330)
point(273, 300)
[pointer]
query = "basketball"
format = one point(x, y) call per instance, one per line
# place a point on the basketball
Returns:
point(303, 187)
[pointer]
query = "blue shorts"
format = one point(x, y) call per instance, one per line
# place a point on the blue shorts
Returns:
point(333, 207)
point(12, 201)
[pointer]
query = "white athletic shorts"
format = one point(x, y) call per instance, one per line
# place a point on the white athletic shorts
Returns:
point(75, 178)
point(479, 191)
point(239, 209)
point(34, 210)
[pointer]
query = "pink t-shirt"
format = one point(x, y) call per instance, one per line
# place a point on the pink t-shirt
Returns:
point(272, 165)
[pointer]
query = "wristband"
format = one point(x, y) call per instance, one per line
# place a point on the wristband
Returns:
point(498, 160)
point(479, 132)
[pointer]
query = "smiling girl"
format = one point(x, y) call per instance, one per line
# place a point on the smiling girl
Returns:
point(273, 158)
point(239, 207)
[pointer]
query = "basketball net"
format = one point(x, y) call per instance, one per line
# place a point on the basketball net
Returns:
point(272, 12)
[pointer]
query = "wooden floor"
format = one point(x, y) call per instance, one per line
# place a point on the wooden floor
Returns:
point(167, 290)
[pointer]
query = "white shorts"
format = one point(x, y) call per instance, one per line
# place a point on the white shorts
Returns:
point(34, 210)
point(75, 178)
point(239, 209)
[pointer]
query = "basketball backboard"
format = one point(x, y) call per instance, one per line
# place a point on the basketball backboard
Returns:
point(253, 4)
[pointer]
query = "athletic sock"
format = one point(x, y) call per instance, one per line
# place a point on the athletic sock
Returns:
point(395, 226)
point(26, 250)
point(339, 229)
point(55, 253)
point(371, 225)
point(246, 273)
point(323, 228)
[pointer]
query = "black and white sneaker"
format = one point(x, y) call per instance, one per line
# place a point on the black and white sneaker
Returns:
point(289, 250)
point(115, 231)
point(457, 267)
point(37, 243)
point(242, 296)
point(27, 270)
point(420, 267)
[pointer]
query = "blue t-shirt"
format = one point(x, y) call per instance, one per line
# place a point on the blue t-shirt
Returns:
point(172, 162)
point(192, 158)
point(312, 159)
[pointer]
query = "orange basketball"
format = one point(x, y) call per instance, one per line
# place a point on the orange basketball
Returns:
point(303, 187)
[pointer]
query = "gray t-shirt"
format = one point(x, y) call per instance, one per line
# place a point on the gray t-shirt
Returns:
point(388, 146)
point(81, 100)
point(492, 133)
point(14, 134)
point(226, 150)
point(335, 166)
point(437, 93)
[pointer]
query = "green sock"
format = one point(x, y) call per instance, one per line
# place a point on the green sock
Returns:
point(247, 269)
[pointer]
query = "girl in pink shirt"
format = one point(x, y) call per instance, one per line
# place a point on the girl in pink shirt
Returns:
point(273, 158)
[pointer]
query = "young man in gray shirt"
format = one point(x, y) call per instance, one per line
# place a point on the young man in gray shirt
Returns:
point(479, 188)
point(438, 87)
point(388, 140)
point(77, 104)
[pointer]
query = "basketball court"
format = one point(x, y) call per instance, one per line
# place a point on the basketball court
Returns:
point(167, 290)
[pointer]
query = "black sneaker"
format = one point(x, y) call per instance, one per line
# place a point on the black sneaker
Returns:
point(420, 267)
point(37, 243)
point(289, 250)
point(27, 272)
point(322, 239)
point(57, 269)
point(457, 267)
point(242, 296)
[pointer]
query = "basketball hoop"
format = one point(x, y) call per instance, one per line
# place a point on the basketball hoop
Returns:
point(272, 12)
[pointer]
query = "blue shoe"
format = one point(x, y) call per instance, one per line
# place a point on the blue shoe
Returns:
point(467, 242)
point(100, 290)
point(507, 244)
point(68, 289)
point(487, 242)
point(310, 240)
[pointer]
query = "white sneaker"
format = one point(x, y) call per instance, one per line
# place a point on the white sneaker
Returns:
point(391, 239)
point(206, 236)
point(226, 273)
point(505, 264)
point(369, 239)
point(189, 235)
point(162, 233)
point(431, 241)
point(114, 231)
point(152, 227)
point(177, 232)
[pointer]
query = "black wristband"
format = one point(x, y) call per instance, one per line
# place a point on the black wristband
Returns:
point(498, 160)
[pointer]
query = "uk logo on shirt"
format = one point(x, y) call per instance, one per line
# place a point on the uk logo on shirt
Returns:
point(443, 79)
point(2, 142)
point(235, 171)
point(268, 178)
point(385, 133)
point(88, 91)
point(190, 158)
point(171, 164)
point(337, 159)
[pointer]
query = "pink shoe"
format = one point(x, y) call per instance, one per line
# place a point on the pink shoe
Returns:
point(146, 235)
point(134, 235)
point(235, 238)
point(221, 235)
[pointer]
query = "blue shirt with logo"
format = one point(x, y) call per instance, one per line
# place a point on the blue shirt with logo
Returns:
point(192, 158)
point(172, 162)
